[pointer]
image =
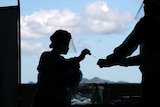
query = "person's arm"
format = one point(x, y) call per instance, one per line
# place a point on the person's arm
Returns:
point(131, 61)
point(128, 46)
point(83, 54)
point(118, 56)
point(74, 61)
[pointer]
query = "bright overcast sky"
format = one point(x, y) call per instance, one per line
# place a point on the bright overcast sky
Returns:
point(99, 25)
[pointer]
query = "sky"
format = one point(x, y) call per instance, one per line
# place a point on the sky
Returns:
point(99, 25)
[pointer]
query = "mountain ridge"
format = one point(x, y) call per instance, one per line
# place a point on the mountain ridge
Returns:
point(98, 80)
point(92, 80)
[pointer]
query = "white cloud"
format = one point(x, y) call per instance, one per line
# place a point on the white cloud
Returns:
point(29, 49)
point(96, 17)
point(104, 21)
point(44, 22)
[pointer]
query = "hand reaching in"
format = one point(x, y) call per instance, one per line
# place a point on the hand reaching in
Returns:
point(108, 62)
point(84, 53)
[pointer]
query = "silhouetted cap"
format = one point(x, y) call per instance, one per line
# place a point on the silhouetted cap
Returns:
point(59, 37)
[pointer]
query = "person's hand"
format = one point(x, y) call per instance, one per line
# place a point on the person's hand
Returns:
point(105, 63)
point(85, 52)
point(101, 62)
point(108, 62)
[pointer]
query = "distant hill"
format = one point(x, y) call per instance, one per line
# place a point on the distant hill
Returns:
point(98, 80)
point(93, 80)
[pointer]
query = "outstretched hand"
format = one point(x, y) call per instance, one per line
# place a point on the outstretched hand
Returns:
point(108, 62)
point(101, 63)
point(104, 63)
point(84, 53)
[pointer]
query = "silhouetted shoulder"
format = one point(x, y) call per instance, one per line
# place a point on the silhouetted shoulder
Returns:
point(46, 53)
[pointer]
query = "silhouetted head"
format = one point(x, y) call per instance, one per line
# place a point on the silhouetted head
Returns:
point(152, 7)
point(60, 40)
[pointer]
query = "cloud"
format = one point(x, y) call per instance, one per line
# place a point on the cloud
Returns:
point(100, 19)
point(30, 49)
point(95, 18)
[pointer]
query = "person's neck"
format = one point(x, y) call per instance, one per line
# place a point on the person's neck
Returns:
point(55, 52)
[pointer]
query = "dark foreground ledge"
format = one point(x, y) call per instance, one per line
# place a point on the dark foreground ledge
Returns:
point(109, 105)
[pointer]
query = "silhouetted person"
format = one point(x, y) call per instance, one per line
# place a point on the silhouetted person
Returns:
point(146, 36)
point(57, 75)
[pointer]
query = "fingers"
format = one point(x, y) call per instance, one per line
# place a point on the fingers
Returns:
point(106, 63)
point(101, 63)
point(86, 51)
